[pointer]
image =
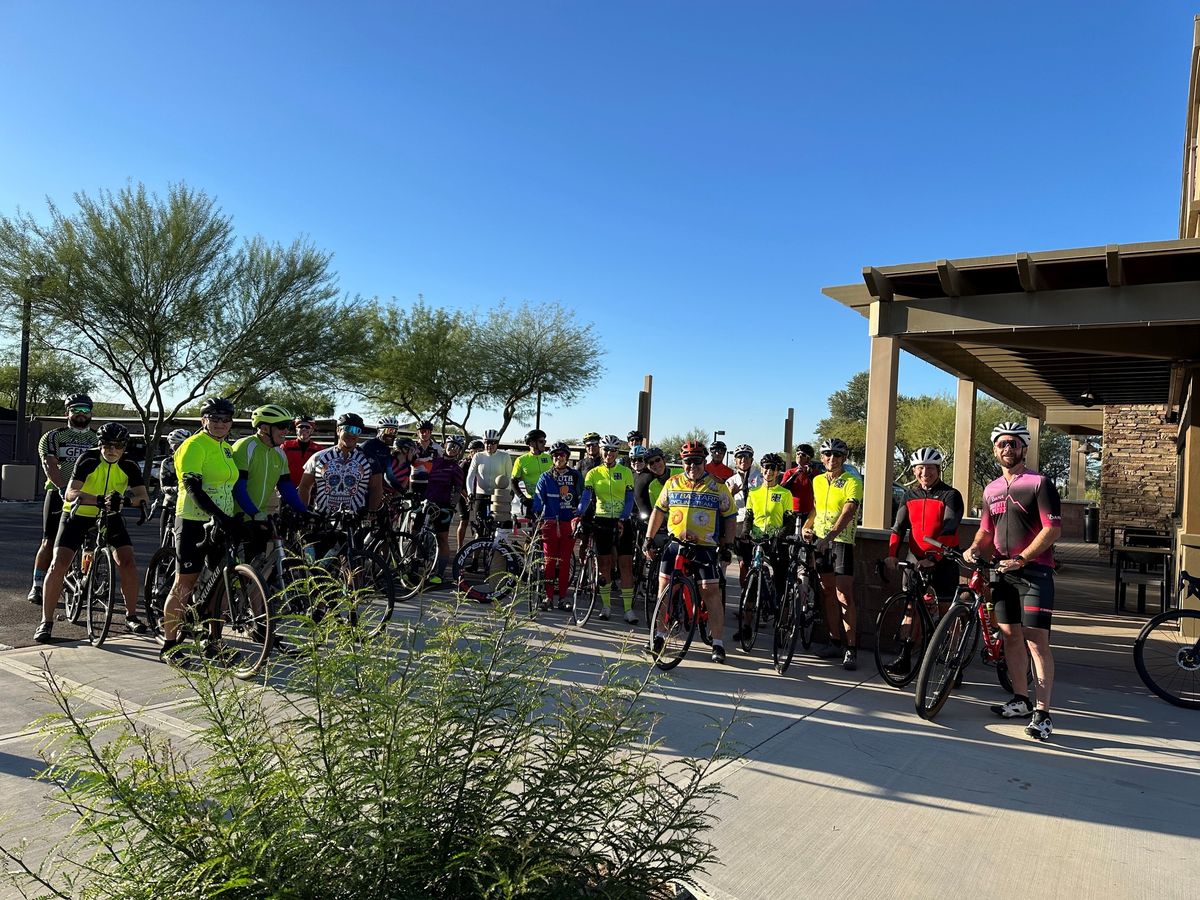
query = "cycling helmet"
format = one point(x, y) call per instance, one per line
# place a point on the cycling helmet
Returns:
point(591, 437)
point(304, 419)
point(387, 422)
point(113, 433)
point(535, 435)
point(77, 400)
point(1016, 429)
point(743, 450)
point(405, 444)
point(806, 449)
point(476, 444)
point(560, 447)
point(638, 452)
point(425, 425)
point(218, 406)
point(717, 445)
point(491, 436)
point(610, 442)
point(635, 435)
point(350, 419)
point(692, 450)
point(654, 453)
point(771, 461)
point(177, 437)
point(926, 456)
point(456, 440)
point(270, 415)
point(836, 446)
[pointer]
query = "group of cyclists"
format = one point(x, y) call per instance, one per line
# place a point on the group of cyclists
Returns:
point(619, 494)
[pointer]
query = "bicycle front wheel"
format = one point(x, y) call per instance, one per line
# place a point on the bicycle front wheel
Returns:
point(373, 591)
point(98, 592)
point(73, 589)
point(484, 573)
point(1167, 657)
point(900, 639)
point(160, 576)
point(416, 566)
point(750, 607)
point(808, 610)
point(248, 633)
point(787, 630)
point(948, 651)
point(673, 624)
point(585, 590)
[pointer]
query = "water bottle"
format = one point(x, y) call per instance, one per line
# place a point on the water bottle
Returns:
point(86, 562)
point(931, 603)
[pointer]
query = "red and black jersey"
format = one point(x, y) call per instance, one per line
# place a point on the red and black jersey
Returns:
point(798, 480)
point(934, 513)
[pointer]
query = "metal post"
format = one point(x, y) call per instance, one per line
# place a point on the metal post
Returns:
point(538, 421)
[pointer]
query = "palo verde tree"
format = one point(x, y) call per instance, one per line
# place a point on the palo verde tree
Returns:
point(157, 294)
point(52, 376)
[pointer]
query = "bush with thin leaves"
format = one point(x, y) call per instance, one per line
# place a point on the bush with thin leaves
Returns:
point(443, 760)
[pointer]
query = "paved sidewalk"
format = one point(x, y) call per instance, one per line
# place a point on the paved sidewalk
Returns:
point(840, 789)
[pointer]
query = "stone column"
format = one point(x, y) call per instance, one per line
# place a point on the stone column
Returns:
point(881, 432)
point(964, 440)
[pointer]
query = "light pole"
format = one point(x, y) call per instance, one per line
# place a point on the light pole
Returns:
point(717, 434)
point(32, 283)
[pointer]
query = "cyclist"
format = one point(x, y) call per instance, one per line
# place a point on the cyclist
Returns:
point(486, 467)
point(716, 467)
point(930, 509)
point(767, 507)
point(168, 481)
point(528, 468)
point(426, 449)
point(342, 477)
point(444, 486)
point(746, 476)
point(58, 449)
point(637, 463)
point(379, 448)
point(208, 474)
point(460, 453)
point(798, 480)
point(696, 507)
point(301, 447)
point(837, 494)
point(555, 498)
point(397, 476)
point(263, 474)
point(635, 439)
point(98, 483)
point(1021, 518)
point(610, 487)
point(648, 484)
point(592, 456)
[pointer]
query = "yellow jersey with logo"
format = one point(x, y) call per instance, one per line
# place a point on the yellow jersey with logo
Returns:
point(100, 478)
point(768, 505)
point(213, 461)
point(696, 511)
point(830, 496)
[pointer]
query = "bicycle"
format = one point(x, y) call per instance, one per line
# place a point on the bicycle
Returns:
point(905, 624)
point(679, 611)
point(645, 573)
point(1166, 652)
point(585, 585)
point(758, 603)
point(364, 572)
point(969, 619)
point(90, 586)
point(491, 569)
point(405, 537)
point(800, 612)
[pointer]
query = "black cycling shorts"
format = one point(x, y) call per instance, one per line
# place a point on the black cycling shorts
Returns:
point(51, 514)
point(1032, 605)
point(73, 529)
point(838, 559)
point(744, 548)
point(189, 554)
point(704, 566)
point(605, 531)
point(441, 521)
point(945, 579)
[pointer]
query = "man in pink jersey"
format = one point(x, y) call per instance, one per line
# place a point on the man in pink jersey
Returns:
point(1021, 520)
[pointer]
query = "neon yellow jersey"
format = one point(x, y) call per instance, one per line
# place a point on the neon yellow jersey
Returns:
point(829, 499)
point(769, 505)
point(611, 488)
point(99, 477)
point(528, 467)
point(213, 461)
point(696, 511)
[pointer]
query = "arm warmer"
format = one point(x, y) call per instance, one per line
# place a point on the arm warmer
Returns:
point(290, 495)
point(242, 496)
point(954, 514)
point(585, 502)
point(628, 503)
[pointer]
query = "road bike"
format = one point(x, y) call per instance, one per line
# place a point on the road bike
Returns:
point(905, 624)
point(365, 573)
point(680, 609)
point(800, 610)
point(1166, 653)
point(405, 537)
point(502, 565)
point(585, 585)
point(758, 603)
point(92, 583)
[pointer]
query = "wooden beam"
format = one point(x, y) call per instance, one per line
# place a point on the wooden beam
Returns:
point(881, 432)
point(964, 440)
point(1027, 273)
point(878, 284)
point(953, 282)
point(1112, 265)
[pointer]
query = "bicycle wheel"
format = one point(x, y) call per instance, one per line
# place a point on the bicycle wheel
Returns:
point(900, 639)
point(98, 591)
point(749, 609)
point(415, 567)
point(809, 606)
point(160, 576)
point(72, 591)
point(248, 633)
point(585, 593)
point(1167, 657)
point(787, 631)
point(674, 621)
point(484, 572)
point(947, 653)
point(374, 592)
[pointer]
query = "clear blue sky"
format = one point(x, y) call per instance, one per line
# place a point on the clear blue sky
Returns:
point(686, 175)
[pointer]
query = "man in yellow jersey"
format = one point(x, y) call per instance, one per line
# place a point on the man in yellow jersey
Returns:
point(263, 474)
point(97, 487)
point(610, 486)
point(528, 468)
point(837, 493)
point(697, 507)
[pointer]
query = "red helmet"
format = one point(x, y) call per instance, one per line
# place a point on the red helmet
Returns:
point(693, 449)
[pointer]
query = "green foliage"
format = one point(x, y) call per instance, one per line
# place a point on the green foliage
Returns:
point(671, 443)
point(445, 761)
point(52, 376)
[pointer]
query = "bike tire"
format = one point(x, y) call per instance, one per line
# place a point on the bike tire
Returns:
point(808, 599)
point(585, 592)
point(788, 628)
point(374, 592)
point(645, 592)
point(890, 638)
point(1166, 655)
point(485, 573)
point(72, 592)
point(248, 630)
point(156, 585)
point(750, 607)
point(98, 592)
point(676, 614)
point(945, 657)
point(414, 569)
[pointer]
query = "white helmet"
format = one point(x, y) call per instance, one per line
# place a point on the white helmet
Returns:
point(926, 456)
point(610, 442)
point(491, 436)
point(1016, 429)
point(387, 422)
point(177, 437)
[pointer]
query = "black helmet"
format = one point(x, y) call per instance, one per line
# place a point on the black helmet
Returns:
point(113, 433)
point(350, 419)
point(304, 419)
point(654, 453)
point(771, 461)
point(806, 449)
point(476, 444)
point(717, 445)
point(560, 447)
point(77, 400)
point(218, 406)
point(405, 444)
point(425, 425)
point(634, 435)
point(535, 435)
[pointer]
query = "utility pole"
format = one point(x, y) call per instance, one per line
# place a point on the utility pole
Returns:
point(32, 283)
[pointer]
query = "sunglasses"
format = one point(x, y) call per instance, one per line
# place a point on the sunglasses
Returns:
point(220, 420)
point(1004, 445)
point(351, 429)
point(743, 456)
point(829, 453)
point(112, 446)
point(694, 461)
point(304, 428)
point(658, 460)
point(79, 409)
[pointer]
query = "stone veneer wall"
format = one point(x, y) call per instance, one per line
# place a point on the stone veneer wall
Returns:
point(1137, 468)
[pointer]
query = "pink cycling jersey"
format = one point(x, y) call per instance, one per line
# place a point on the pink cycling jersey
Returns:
point(1015, 512)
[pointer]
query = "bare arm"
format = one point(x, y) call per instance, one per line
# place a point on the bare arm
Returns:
point(50, 465)
point(306, 488)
